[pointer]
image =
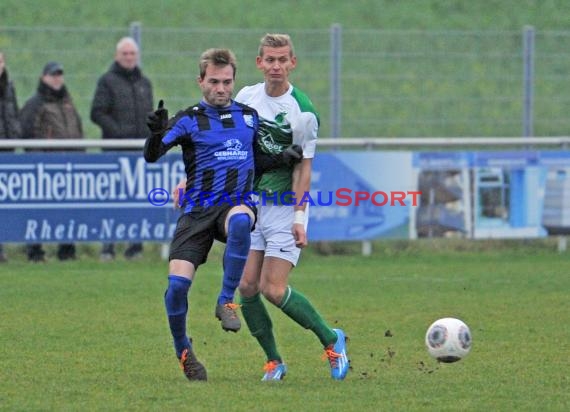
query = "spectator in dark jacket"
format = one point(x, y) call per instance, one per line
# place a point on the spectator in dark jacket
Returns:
point(50, 114)
point(123, 98)
point(9, 123)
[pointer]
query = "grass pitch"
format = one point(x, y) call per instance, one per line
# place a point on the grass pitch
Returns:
point(86, 335)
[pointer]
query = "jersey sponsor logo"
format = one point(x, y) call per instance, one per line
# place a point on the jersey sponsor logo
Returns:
point(274, 137)
point(225, 116)
point(233, 144)
point(270, 145)
point(232, 151)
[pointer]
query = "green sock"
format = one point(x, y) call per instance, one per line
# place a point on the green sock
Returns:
point(298, 308)
point(259, 324)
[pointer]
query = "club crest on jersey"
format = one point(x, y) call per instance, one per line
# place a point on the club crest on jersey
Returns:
point(248, 119)
point(280, 118)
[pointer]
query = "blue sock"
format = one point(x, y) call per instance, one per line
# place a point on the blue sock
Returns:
point(176, 302)
point(235, 255)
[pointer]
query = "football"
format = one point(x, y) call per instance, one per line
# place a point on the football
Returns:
point(448, 340)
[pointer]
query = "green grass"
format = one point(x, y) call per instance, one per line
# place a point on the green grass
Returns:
point(86, 335)
point(364, 14)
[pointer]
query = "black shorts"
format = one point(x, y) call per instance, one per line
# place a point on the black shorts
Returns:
point(195, 233)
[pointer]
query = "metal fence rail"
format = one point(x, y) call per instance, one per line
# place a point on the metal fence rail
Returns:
point(394, 82)
point(430, 143)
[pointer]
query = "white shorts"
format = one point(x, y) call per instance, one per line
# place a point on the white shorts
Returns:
point(273, 233)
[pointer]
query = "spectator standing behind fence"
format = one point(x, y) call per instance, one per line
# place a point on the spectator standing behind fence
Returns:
point(9, 122)
point(51, 114)
point(123, 98)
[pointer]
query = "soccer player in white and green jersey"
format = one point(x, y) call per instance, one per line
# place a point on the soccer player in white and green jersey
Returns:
point(287, 117)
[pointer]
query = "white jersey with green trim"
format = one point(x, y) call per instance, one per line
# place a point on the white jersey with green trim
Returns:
point(288, 119)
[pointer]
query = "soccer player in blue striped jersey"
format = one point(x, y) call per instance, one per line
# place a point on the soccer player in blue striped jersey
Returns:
point(216, 136)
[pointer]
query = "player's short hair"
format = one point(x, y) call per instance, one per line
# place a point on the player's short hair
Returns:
point(275, 40)
point(217, 57)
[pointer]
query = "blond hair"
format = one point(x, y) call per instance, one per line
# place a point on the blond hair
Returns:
point(274, 40)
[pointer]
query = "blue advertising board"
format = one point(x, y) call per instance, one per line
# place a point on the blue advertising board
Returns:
point(61, 197)
point(364, 189)
point(355, 195)
point(109, 197)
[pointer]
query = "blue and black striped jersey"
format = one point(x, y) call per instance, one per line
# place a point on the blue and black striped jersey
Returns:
point(217, 149)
